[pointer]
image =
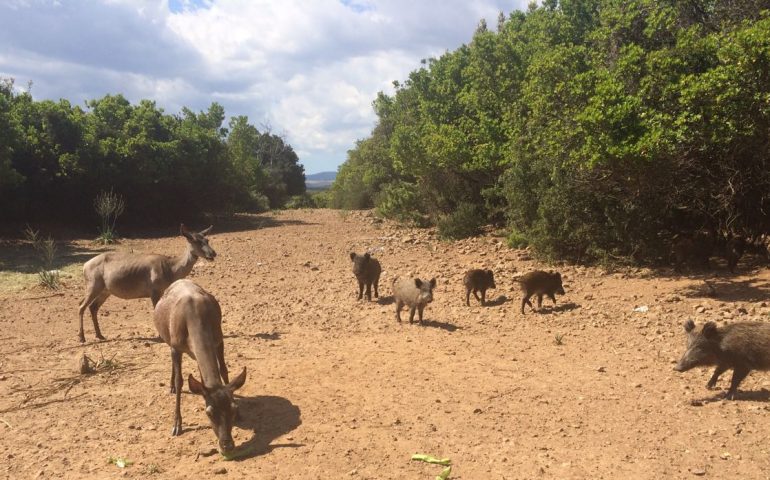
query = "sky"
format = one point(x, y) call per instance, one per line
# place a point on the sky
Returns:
point(307, 70)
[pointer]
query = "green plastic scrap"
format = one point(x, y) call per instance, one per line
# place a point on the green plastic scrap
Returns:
point(444, 475)
point(430, 459)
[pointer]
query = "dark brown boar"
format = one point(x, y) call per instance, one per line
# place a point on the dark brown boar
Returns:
point(367, 271)
point(414, 293)
point(478, 280)
point(540, 283)
point(695, 249)
point(742, 347)
point(734, 251)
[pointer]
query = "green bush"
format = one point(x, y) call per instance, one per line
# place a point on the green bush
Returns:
point(301, 201)
point(516, 239)
point(464, 222)
point(401, 201)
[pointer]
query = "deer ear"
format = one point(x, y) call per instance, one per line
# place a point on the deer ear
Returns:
point(206, 231)
point(237, 381)
point(184, 230)
point(352, 256)
point(418, 283)
point(709, 329)
point(689, 325)
point(195, 386)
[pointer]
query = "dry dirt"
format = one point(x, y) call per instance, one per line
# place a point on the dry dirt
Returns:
point(337, 388)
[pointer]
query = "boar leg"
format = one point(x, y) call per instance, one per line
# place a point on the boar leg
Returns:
point(539, 301)
point(419, 311)
point(468, 297)
point(360, 290)
point(411, 314)
point(483, 297)
point(369, 291)
point(525, 301)
point(376, 294)
point(739, 373)
point(717, 372)
point(399, 305)
point(553, 297)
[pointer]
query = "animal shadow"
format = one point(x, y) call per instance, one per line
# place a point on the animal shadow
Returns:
point(565, 307)
point(496, 302)
point(762, 395)
point(449, 327)
point(389, 300)
point(269, 417)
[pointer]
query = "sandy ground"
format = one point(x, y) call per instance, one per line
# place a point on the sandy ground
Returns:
point(336, 388)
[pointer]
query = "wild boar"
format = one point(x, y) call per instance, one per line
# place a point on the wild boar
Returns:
point(478, 280)
point(414, 293)
point(742, 347)
point(540, 283)
point(367, 271)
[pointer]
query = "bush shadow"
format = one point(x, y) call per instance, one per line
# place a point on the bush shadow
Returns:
point(21, 257)
point(729, 291)
point(269, 417)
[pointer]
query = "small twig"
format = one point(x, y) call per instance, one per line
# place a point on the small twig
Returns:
point(6, 423)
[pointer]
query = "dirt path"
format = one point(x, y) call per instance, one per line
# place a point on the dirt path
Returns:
point(336, 388)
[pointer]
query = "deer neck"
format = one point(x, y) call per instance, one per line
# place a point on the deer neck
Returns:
point(183, 265)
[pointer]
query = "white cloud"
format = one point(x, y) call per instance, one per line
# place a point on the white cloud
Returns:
point(308, 69)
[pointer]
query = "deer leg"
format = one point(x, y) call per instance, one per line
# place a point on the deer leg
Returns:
point(172, 389)
point(94, 308)
point(221, 360)
point(155, 296)
point(176, 365)
point(93, 294)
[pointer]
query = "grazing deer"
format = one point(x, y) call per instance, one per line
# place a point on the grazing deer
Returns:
point(189, 320)
point(130, 275)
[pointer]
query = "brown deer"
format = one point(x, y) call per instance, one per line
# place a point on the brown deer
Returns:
point(189, 320)
point(130, 275)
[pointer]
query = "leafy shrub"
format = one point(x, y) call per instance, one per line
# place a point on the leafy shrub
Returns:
point(301, 201)
point(464, 222)
point(516, 239)
point(46, 250)
point(109, 206)
point(401, 201)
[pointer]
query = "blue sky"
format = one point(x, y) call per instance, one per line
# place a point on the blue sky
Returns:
point(307, 70)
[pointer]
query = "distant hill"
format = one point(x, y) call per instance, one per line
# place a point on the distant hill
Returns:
point(320, 181)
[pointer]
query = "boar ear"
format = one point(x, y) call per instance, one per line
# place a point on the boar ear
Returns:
point(432, 283)
point(709, 329)
point(689, 325)
point(352, 256)
point(418, 283)
point(490, 273)
point(367, 256)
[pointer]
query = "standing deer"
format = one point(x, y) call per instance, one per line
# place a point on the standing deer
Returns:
point(129, 275)
point(189, 320)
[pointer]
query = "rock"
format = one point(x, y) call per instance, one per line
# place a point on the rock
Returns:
point(207, 452)
point(220, 471)
point(698, 471)
point(700, 309)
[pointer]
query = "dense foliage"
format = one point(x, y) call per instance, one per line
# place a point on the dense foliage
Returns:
point(55, 158)
point(592, 128)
